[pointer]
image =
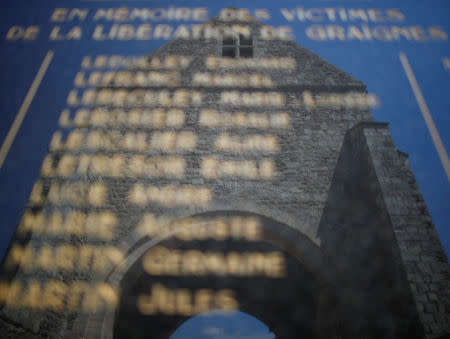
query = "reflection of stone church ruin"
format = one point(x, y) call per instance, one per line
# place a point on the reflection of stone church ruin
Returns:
point(227, 170)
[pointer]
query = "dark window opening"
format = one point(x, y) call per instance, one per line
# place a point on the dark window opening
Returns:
point(245, 41)
point(237, 47)
point(246, 52)
point(229, 41)
point(229, 52)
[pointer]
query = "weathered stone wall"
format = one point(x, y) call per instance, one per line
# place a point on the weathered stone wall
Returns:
point(376, 229)
point(423, 257)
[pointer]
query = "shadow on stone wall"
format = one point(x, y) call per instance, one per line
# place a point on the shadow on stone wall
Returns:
point(356, 232)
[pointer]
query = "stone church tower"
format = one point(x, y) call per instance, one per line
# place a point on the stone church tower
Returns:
point(230, 169)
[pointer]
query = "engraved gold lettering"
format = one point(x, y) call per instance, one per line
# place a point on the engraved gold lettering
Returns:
point(183, 301)
point(163, 261)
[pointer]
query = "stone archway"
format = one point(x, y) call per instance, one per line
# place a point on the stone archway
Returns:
point(277, 275)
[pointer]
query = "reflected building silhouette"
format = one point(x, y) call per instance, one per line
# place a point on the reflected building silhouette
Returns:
point(257, 166)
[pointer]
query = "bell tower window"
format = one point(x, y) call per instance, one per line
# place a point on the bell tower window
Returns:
point(237, 47)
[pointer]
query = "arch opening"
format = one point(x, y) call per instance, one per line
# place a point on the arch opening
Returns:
point(229, 267)
point(222, 324)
